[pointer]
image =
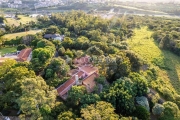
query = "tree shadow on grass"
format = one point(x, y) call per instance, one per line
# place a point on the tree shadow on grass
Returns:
point(169, 64)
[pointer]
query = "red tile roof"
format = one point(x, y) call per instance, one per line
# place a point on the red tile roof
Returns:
point(88, 69)
point(64, 88)
point(89, 82)
point(72, 72)
point(82, 60)
point(24, 54)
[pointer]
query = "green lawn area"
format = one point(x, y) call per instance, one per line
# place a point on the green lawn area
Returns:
point(23, 19)
point(14, 35)
point(167, 63)
point(7, 50)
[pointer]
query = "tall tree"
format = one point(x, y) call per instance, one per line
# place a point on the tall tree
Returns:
point(58, 66)
point(140, 83)
point(37, 98)
point(99, 111)
point(121, 95)
point(75, 94)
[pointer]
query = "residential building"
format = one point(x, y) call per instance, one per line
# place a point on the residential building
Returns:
point(19, 2)
point(54, 36)
point(85, 75)
point(24, 55)
point(20, 56)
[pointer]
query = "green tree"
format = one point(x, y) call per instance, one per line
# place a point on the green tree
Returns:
point(61, 51)
point(140, 83)
point(135, 60)
point(58, 108)
point(37, 98)
point(171, 108)
point(142, 113)
point(21, 46)
point(118, 67)
point(67, 43)
point(158, 109)
point(88, 99)
point(69, 53)
point(43, 43)
point(68, 115)
point(15, 75)
point(52, 30)
point(75, 94)
point(58, 66)
point(94, 51)
point(42, 54)
point(121, 95)
point(101, 110)
point(6, 66)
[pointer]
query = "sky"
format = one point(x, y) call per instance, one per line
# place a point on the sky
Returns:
point(154, 0)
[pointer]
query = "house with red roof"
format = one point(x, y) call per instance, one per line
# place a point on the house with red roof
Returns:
point(24, 55)
point(82, 61)
point(83, 75)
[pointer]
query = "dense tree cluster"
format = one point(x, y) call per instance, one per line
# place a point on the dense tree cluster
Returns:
point(121, 88)
point(166, 33)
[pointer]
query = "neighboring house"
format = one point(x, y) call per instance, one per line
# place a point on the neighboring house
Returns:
point(9, 16)
point(24, 55)
point(13, 5)
point(54, 36)
point(35, 15)
point(20, 56)
point(83, 75)
point(18, 2)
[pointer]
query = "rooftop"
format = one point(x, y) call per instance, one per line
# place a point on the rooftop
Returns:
point(89, 82)
point(88, 69)
point(82, 60)
point(64, 88)
point(24, 54)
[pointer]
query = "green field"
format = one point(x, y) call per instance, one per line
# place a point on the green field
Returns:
point(14, 35)
point(7, 50)
point(23, 19)
point(167, 63)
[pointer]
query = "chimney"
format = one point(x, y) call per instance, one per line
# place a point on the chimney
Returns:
point(77, 79)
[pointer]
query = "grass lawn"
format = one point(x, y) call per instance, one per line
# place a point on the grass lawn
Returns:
point(23, 19)
point(14, 35)
point(7, 50)
point(167, 62)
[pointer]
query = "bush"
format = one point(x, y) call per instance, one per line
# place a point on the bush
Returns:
point(167, 94)
point(21, 46)
point(170, 112)
point(142, 113)
point(61, 51)
point(158, 109)
point(69, 53)
point(94, 51)
point(171, 109)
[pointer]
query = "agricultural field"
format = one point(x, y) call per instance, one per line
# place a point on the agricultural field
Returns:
point(7, 50)
point(14, 35)
point(23, 19)
point(167, 63)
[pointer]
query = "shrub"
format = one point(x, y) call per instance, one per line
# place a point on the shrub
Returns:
point(21, 46)
point(171, 108)
point(142, 113)
point(158, 109)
